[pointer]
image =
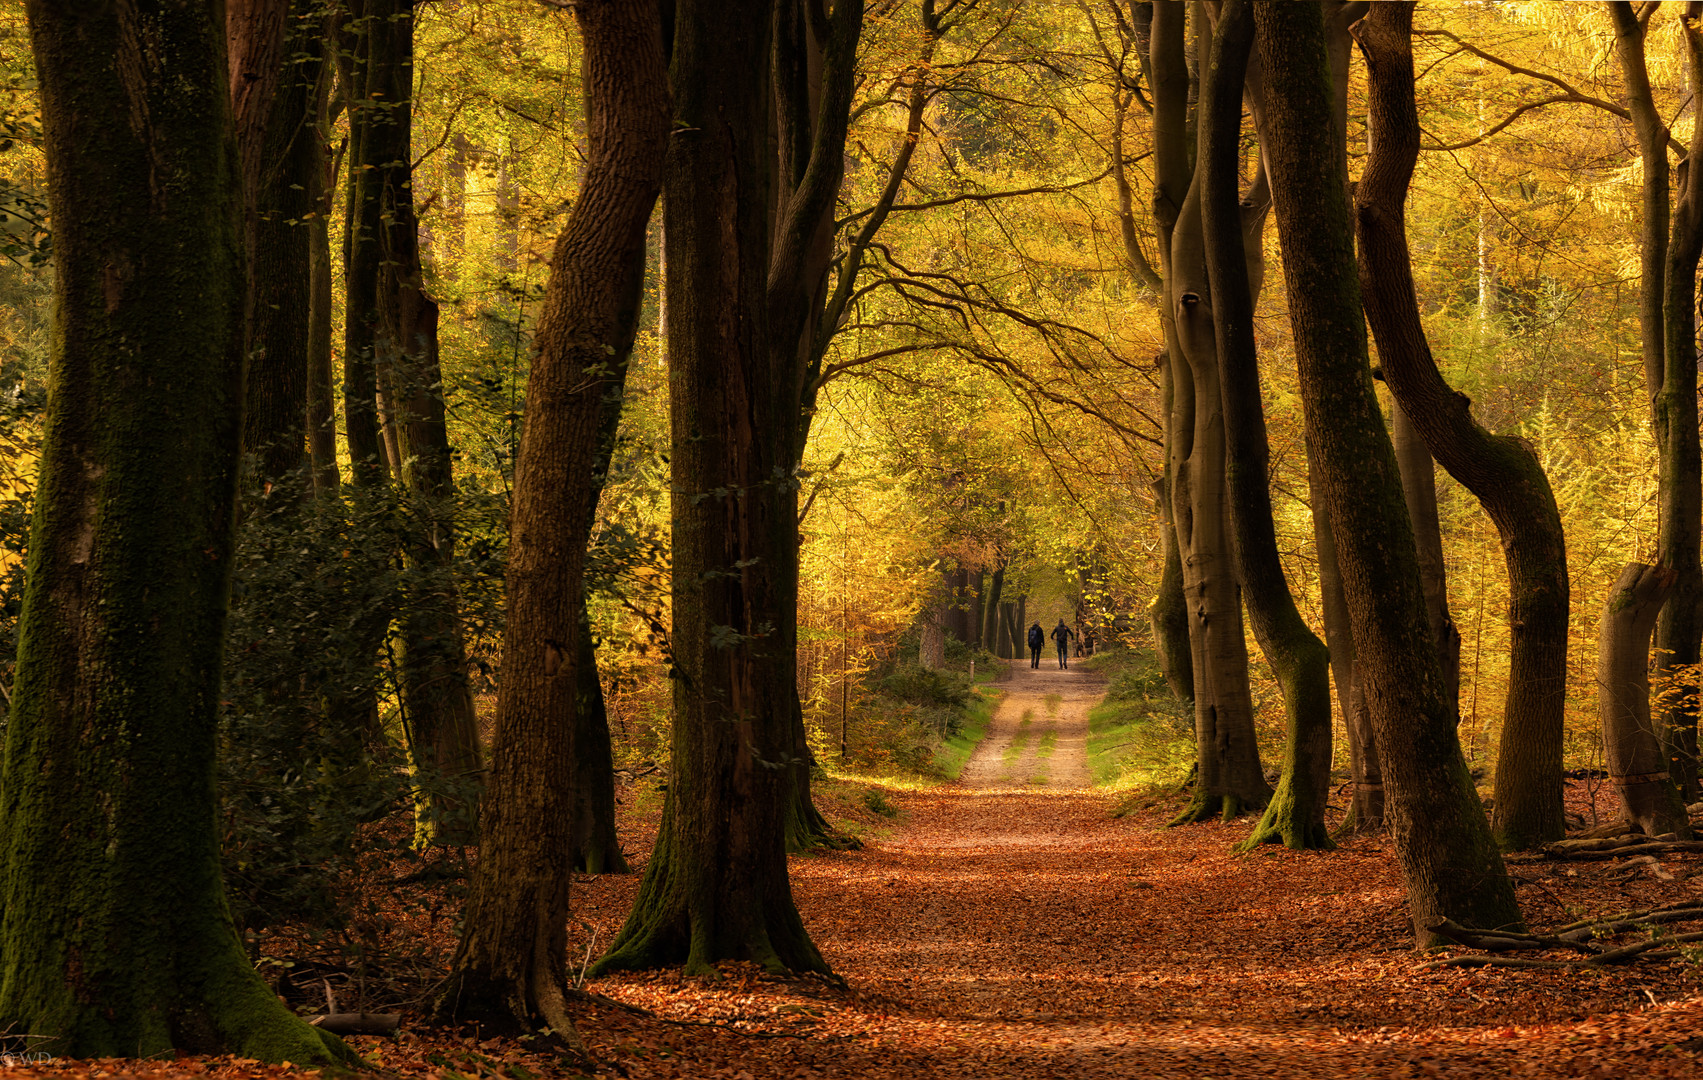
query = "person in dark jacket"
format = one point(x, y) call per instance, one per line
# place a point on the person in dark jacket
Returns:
point(1037, 638)
point(1062, 635)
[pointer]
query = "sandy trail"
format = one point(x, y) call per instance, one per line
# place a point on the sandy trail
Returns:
point(1038, 737)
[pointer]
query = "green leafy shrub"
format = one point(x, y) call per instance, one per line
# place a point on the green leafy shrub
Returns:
point(926, 687)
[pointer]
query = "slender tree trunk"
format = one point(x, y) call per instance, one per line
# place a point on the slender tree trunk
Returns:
point(1448, 857)
point(1419, 486)
point(988, 636)
point(958, 621)
point(1667, 318)
point(115, 937)
point(974, 610)
point(321, 412)
point(1503, 472)
point(1637, 760)
point(509, 968)
point(1169, 612)
point(1295, 816)
point(716, 887)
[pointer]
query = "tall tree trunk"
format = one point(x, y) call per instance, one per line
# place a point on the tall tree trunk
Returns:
point(1448, 857)
point(1419, 486)
point(391, 329)
point(958, 618)
point(988, 636)
point(1503, 472)
point(716, 887)
point(1636, 758)
point(974, 610)
point(1295, 816)
point(1169, 612)
point(115, 937)
point(1667, 318)
point(275, 56)
point(509, 968)
point(321, 412)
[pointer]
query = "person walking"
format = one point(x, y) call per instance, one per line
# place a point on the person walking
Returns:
point(1037, 638)
point(1062, 635)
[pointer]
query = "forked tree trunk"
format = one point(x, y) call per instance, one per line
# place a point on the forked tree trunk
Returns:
point(717, 887)
point(509, 968)
point(1448, 857)
point(1503, 472)
point(116, 940)
point(1637, 760)
point(1295, 816)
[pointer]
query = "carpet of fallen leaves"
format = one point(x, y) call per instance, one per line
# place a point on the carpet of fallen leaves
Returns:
point(1001, 933)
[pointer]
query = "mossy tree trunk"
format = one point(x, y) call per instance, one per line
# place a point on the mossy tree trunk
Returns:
point(1295, 816)
point(716, 887)
point(1633, 748)
point(115, 939)
point(1670, 245)
point(1503, 472)
point(509, 969)
point(1448, 857)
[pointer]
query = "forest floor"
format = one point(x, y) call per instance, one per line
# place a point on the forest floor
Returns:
point(1008, 927)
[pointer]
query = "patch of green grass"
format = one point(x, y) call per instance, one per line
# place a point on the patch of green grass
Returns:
point(1028, 716)
point(1019, 743)
point(1138, 741)
point(956, 749)
point(1053, 701)
point(1038, 779)
point(1049, 743)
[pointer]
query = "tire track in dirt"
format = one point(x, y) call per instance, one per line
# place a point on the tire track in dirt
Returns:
point(1038, 736)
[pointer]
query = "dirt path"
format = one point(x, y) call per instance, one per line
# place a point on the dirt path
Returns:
point(1039, 734)
point(1004, 928)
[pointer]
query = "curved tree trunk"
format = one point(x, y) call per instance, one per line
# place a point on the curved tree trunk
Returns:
point(1502, 471)
point(115, 938)
point(509, 968)
point(1295, 816)
point(716, 887)
point(1448, 857)
point(1419, 485)
point(1637, 760)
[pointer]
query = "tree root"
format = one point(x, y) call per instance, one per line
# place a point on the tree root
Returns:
point(1574, 936)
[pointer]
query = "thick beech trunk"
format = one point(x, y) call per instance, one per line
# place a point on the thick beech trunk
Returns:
point(1637, 760)
point(1230, 780)
point(1667, 322)
point(115, 939)
point(716, 887)
point(1295, 816)
point(1448, 857)
point(509, 968)
point(1503, 472)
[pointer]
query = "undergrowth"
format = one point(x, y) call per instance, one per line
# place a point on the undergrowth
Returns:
point(1139, 736)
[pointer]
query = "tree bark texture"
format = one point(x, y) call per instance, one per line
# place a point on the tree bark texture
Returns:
point(115, 938)
point(1229, 779)
point(716, 887)
point(1295, 817)
point(1671, 243)
point(988, 638)
point(321, 410)
point(1448, 857)
point(1503, 472)
point(1637, 760)
point(509, 967)
point(1419, 486)
point(275, 56)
